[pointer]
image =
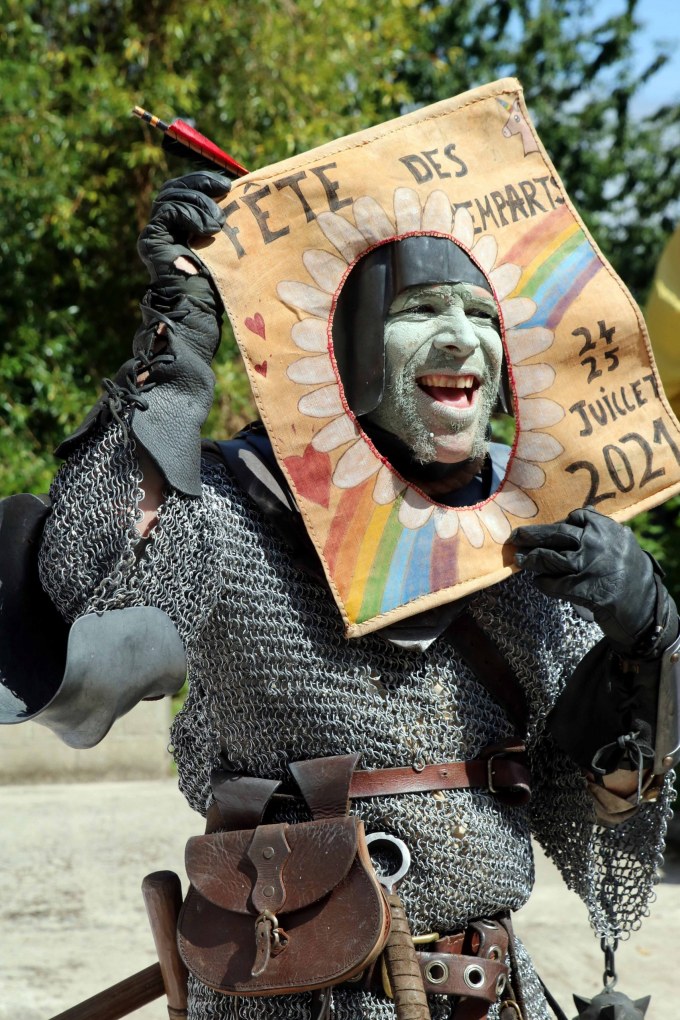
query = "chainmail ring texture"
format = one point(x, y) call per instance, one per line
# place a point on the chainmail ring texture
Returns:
point(273, 679)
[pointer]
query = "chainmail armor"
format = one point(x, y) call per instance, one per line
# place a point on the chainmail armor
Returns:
point(273, 679)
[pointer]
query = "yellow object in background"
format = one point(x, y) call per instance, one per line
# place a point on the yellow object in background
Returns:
point(663, 319)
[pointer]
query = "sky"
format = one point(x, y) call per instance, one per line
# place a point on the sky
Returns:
point(661, 24)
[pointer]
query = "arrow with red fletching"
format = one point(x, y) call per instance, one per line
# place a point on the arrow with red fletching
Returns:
point(192, 139)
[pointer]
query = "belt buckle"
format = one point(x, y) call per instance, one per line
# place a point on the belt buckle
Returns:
point(489, 771)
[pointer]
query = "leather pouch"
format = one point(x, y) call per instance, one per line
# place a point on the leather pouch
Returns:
point(285, 908)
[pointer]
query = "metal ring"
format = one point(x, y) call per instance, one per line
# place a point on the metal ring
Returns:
point(494, 953)
point(395, 844)
point(418, 766)
point(473, 976)
point(436, 972)
point(501, 985)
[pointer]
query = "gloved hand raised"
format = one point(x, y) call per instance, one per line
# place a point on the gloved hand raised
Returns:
point(165, 391)
point(593, 562)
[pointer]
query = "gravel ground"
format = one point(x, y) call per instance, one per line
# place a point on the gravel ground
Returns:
point(72, 920)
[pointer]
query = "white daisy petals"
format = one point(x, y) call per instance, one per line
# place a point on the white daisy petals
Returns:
point(515, 502)
point(472, 529)
point(406, 210)
point(516, 310)
point(335, 434)
point(343, 235)
point(495, 522)
point(415, 510)
point(305, 298)
point(372, 220)
point(357, 460)
point(310, 335)
point(485, 251)
point(525, 343)
point(437, 213)
point(539, 413)
point(326, 270)
point(464, 227)
point(533, 379)
point(311, 370)
point(355, 466)
point(504, 279)
point(446, 522)
point(387, 486)
point(537, 446)
point(323, 403)
point(526, 475)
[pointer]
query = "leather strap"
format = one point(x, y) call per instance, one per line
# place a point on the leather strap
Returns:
point(470, 965)
point(325, 783)
point(461, 975)
point(240, 801)
point(490, 667)
point(501, 771)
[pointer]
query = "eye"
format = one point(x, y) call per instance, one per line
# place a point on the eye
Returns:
point(482, 313)
point(423, 309)
point(417, 309)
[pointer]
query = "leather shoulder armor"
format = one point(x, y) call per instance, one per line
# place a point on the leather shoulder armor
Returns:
point(33, 636)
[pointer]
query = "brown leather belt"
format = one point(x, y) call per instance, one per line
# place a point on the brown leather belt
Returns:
point(502, 770)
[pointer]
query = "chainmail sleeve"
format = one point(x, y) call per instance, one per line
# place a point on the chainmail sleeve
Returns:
point(91, 557)
point(613, 869)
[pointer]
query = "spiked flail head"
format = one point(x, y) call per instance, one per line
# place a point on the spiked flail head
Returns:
point(610, 1005)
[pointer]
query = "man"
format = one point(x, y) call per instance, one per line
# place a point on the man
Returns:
point(273, 680)
point(434, 371)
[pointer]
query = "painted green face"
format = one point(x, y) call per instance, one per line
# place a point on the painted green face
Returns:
point(443, 357)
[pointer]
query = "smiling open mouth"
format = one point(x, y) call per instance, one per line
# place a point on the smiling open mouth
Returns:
point(457, 391)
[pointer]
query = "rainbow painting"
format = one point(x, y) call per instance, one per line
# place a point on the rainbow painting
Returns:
point(558, 261)
point(392, 565)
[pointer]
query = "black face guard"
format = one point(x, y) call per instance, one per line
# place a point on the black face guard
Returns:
point(365, 299)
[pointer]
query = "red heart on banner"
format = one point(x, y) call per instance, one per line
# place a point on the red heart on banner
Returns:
point(256, 324)
point(311, 474)
point(261, 368)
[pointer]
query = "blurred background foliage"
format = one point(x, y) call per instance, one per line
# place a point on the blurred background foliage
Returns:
point(266, 79)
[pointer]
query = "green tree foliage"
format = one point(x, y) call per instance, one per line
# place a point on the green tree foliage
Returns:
point(577, 70)
point(264, 78)
point(77, 173)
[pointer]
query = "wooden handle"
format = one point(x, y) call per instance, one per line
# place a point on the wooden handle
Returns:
point(120, 1000)
point(403, 968)
point(162, 893)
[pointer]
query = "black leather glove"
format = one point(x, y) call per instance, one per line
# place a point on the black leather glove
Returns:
point(606, 718)
point(592, 561)
point(165, 391)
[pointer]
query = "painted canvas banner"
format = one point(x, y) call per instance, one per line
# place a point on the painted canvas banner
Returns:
point(592, 425)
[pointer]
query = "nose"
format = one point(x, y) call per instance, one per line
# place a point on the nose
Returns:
point(456, 334)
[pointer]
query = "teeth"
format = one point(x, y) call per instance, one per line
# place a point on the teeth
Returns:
point(454, 382)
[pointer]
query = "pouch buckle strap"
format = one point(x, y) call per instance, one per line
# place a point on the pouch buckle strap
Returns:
point(268, 852)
